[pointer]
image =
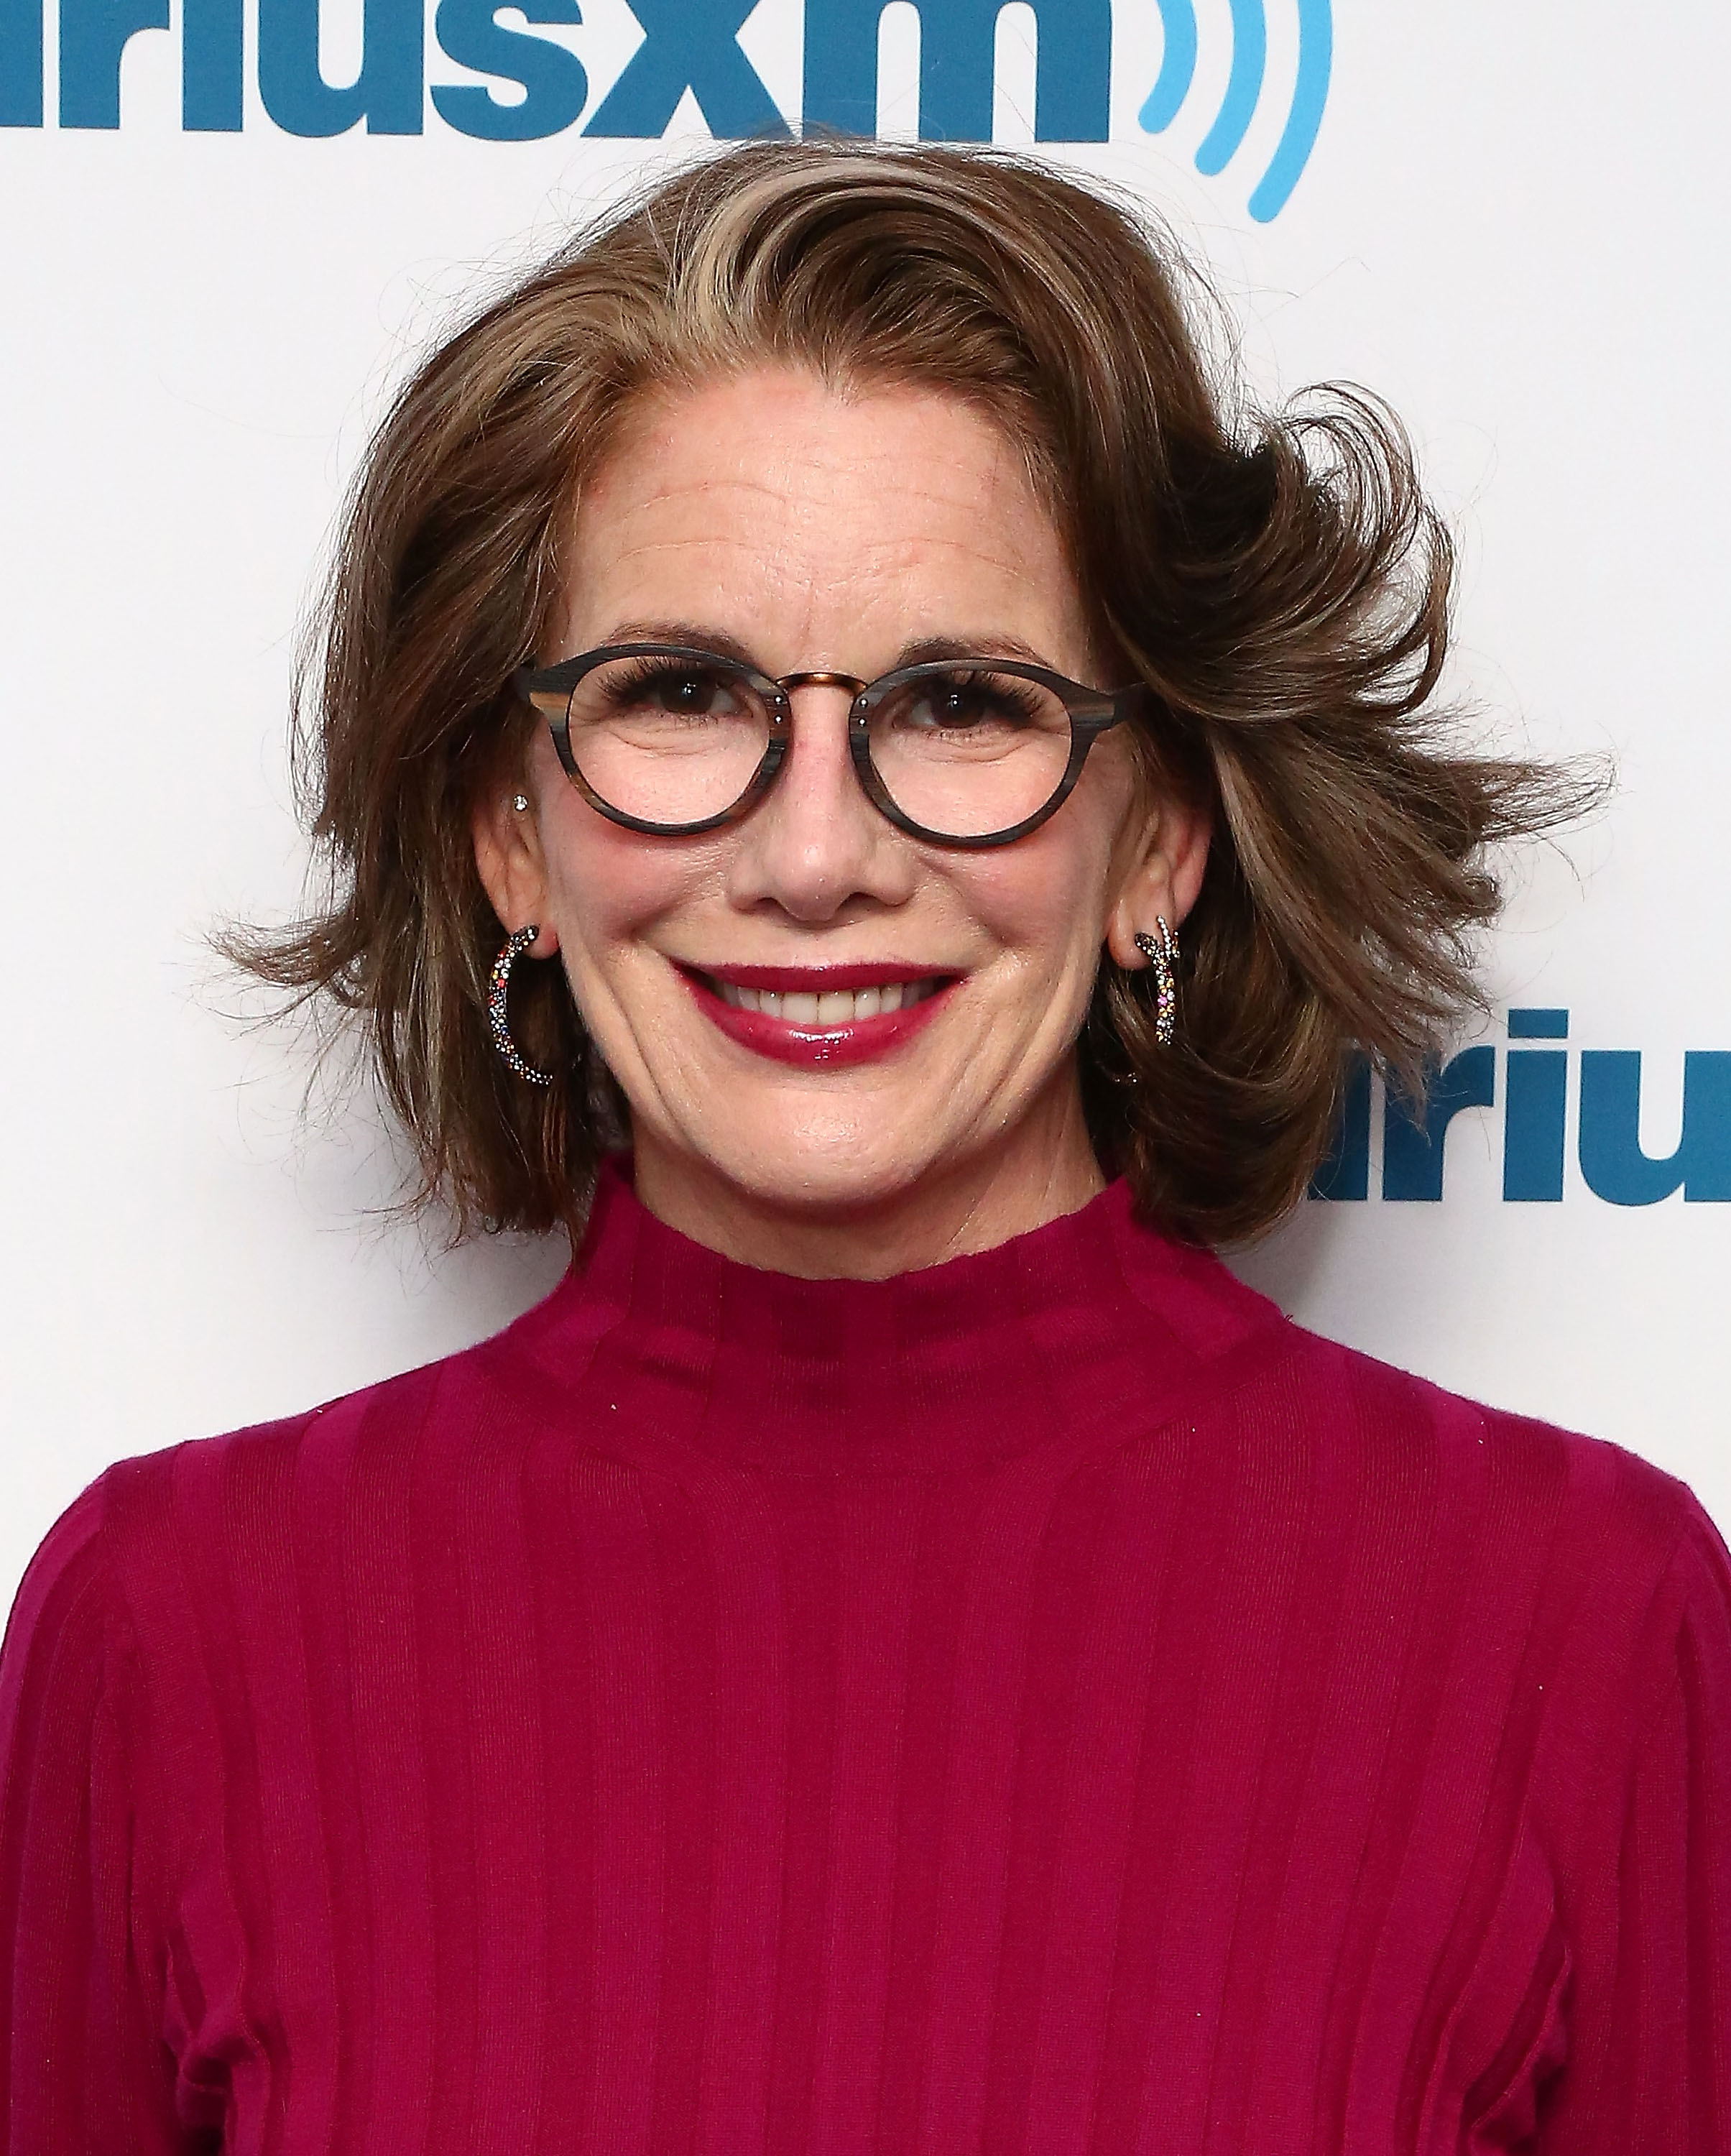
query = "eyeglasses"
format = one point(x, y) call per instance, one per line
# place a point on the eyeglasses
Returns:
point(671, 739)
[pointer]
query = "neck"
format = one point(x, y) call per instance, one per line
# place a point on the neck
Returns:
point(1044, 1170)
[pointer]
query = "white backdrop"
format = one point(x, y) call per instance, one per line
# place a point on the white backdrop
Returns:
point(1509, 225)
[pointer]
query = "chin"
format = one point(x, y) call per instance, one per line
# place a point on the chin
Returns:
point(819, 1178)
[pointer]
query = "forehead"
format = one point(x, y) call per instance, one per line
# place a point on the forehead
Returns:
point(826, 525)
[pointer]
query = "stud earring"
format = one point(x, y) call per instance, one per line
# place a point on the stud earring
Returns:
point(498, 985)
point(1161, 953)
point(519, 802)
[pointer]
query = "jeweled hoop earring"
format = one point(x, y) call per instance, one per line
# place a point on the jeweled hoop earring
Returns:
point(1161, 953)
point(498, 983)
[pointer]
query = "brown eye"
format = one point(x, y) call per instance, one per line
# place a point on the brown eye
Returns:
point(968, 750)
point(667, 738)
point(683, 692)
point(960, 703)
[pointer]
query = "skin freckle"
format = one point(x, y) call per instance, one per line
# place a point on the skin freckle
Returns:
point(810, 530)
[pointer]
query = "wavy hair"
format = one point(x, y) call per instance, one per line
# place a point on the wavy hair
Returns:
point(1276, 577)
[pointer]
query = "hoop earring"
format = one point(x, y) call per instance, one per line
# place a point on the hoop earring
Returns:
point(1162, 957)
point(498, 983)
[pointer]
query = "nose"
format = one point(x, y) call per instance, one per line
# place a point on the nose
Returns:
point(817, 844)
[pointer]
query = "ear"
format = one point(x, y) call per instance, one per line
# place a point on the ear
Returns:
point(1163, 877)
point(511, 864)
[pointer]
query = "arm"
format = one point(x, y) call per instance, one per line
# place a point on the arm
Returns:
point(81, 2071)
point(1654, 2077)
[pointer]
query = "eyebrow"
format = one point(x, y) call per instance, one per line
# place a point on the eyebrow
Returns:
point(699, 635)
point(918, 651)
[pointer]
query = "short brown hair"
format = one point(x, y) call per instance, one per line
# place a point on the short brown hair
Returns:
point(1279, 580)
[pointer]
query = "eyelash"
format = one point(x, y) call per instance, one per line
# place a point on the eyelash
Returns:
point(639, 674)
point(1015, 695)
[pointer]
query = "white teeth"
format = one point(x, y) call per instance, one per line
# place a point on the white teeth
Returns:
point(834, 1006)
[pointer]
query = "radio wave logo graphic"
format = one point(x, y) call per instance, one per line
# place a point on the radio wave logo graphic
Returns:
point(1244, 91)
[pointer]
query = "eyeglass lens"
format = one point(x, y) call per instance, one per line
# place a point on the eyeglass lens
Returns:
point(962, 750)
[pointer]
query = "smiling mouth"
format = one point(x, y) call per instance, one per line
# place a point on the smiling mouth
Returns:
point(830, 1007)
point(830, 1016)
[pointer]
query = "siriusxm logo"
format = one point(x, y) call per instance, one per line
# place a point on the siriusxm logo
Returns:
point(1244, 91)
point(1534, 1099)
point(687, 47)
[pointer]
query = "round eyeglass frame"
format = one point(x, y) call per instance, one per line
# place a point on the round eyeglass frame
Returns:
point(550, 690)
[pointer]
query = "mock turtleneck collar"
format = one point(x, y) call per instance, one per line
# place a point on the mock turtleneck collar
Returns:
point(1087, 1322)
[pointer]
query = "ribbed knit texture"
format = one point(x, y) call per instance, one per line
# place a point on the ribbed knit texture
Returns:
point(1047, 1703)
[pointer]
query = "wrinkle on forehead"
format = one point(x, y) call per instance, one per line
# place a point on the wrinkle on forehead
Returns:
point(811, 513)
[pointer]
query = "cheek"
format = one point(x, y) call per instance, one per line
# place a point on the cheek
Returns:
point(1042, 901)
point(611, 888)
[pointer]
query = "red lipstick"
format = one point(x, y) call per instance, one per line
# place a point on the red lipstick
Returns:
point(811, 1042)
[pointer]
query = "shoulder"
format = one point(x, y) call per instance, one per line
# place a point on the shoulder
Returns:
point(67, 1635)
point(1397, 1440)
point(1605, 1530)
point(112, 1548)
point(395, 1411)
point(152, 1517)
point(62, 1607)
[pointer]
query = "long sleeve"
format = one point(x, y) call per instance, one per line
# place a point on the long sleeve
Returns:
point(80, 2072)
point(1651, 2076)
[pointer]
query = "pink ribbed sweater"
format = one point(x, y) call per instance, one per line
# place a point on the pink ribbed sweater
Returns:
point(1047, 1703)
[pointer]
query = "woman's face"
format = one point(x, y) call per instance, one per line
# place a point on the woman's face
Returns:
point(809, 530)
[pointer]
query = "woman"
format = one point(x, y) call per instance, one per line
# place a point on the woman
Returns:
point(901, 1650)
